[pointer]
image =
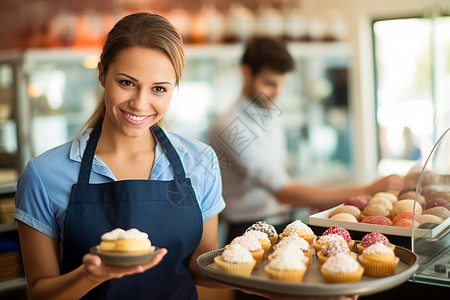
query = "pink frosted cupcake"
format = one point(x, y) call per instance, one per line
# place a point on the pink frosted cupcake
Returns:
point(335, 229)
point(327, 239)
point(298, 242)
point(252, 244)
point(372, 238)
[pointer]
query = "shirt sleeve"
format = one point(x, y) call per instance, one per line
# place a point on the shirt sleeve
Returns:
point(32, 203)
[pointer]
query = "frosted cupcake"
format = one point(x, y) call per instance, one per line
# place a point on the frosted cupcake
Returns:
point(335, 229)
point(372, 238)
point(378, 260)
point(133, 241)
point(327, 239)
point(263, 240)
point(235, 259)
point(252, 244)
point(109, 239)
point(300, 229)
point(341, 268)
point(292, 250)
point(267, 229)
point(286, 267)
point(298, 242)
point(333, 248)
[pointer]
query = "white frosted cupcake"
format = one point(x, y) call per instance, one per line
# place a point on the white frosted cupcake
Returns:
point(333, 248)
point(133, 241)
point(298, 242)
point(108, 243)
point(291, 250)
point(300, 229)
point(235, 259)
point(341, 268)
point(286, 267)
point(263, 240)
point(378, 260)
point(252, 244)
point(327, 239)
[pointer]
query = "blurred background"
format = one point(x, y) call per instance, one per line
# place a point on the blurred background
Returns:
point(369, 95)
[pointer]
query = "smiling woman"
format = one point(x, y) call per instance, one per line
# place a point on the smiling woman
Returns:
point(123, 171)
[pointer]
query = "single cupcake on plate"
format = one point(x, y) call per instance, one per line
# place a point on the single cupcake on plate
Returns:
point(252, 244)
point(292, 250)
point(298, 242)
point(109, 239)
point(378, 260)
point(372, 238)
point(333, 248)
point(300, 229)
point(336, 229)
point(235, 259)
point(341, 268)
point(133, 241)
point(267, 229)
point(263, 240)
point(327, 239)
point(286, 267)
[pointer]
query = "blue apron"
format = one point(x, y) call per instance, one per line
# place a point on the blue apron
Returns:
point(167, 210)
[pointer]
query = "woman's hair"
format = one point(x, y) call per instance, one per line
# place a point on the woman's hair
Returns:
point(144, 30)
point(264, 52)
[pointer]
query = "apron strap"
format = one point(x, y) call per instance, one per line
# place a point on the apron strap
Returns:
point(88, 156)
point(174, 158)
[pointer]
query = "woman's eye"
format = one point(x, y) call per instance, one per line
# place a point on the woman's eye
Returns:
point(126, 83)
point(159, 89)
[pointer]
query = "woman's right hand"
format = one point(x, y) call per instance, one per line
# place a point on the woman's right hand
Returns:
point(99, 272)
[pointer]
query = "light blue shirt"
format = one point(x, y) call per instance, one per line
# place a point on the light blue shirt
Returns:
point(43, 188)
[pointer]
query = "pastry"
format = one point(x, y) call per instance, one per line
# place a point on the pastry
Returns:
point(335, 229)
point(383, 201)
point(267, 229)
point(252, 244)
point(408, 223)
point(331, 249)
point(286, 267)
point(292, 249)
point(438, 211)
point(412, 195)
point(372, 238)
point(405, 205)
point(327, 239)
point(263, 240)
point(341, 268)
point(378, 260)
point(403, 215)
point(426, 218)
point(108, 243)
point(299, 228)
point(374, 210)
point(235, 259)
point(389, 196)
point(344, 217)
point(298, 242)
point(378, 220)
point(359, 202)
point(350, 209)
point(433, 202)
point(133, 241)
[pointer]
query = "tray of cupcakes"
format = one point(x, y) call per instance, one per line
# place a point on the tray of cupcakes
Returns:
point(391, 213)
point(298, 263)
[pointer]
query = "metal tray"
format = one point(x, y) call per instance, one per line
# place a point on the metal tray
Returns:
point(313, 284)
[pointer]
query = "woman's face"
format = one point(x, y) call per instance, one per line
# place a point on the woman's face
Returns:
point(137, 89)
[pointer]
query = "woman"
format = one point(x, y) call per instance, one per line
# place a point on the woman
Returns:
point(126, 172)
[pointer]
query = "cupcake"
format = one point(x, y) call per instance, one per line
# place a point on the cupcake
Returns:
point(335, 229)
point(301, 229)
point(349, 209)
point(286, 267)
point(235, 259)
point(333, 248)
point(109, 239)
point(327, 239)
point(263, 239)
point(292, 250)
point(341, 268)
point(252, 244)
point(267, 229)
point(298, 242)
point(378, 260)
point(133, 241)
point(372, 238)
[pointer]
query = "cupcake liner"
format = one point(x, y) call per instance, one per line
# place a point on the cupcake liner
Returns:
point(273, 240)
point(322, 258)
point(295, 276)
point(244, 269)
point(257, 256)
point(361, 248)
point(331, 277)
point(266, 245)
point(378, 268)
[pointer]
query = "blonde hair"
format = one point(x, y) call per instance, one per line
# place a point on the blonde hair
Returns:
point(143, 30)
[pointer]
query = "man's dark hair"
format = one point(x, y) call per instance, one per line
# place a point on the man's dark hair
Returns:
point(263, 52)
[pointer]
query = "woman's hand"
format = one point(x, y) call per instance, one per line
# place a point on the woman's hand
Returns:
point(96, 271)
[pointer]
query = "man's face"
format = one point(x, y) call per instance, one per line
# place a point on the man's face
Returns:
point(266, 86)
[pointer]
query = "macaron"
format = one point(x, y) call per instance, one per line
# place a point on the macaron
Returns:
point(383, 201)
point(439, 211)
point(378, 220)
point(422, 219)
point(359, 202)
point(433, 202)
point(344, 217)
point(412, 195)
point(350, 209)
point(406, 223)
point(403, 215)
point(389, 196)
point(405, 205)
point(374, 210)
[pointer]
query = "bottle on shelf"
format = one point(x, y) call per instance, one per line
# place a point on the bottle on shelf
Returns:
point(240, 23)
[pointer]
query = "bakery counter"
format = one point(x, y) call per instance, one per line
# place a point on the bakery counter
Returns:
point(432, 277)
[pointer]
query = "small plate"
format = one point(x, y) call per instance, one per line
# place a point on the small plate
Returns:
point(125, 259)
